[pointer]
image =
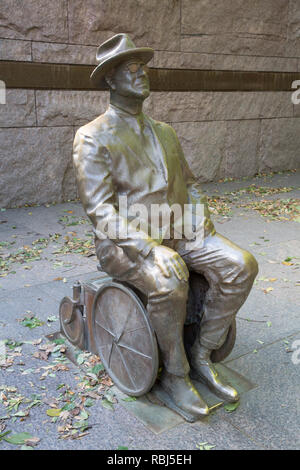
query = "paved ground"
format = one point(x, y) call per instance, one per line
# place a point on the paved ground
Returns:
point(35, 377)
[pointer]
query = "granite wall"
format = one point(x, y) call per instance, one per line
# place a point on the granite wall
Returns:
point(224, 134)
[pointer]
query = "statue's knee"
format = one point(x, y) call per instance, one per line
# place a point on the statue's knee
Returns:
point(178, 290)
point(244, 269)
point(250, 265)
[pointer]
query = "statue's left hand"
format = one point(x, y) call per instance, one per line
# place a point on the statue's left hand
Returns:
point(169, 262)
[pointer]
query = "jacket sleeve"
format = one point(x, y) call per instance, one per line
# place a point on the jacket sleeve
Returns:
point(195, 194)
point(96, 191)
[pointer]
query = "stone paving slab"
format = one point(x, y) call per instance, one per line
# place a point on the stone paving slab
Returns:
point(256, 227)
point(253, 327)
point(270, 413)
point(112, 429)
point(14, 308)
point(43, 272)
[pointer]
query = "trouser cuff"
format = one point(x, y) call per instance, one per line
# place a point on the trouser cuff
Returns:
point(178, 371)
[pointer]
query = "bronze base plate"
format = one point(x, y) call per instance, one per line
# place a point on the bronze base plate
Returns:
point(155, 416)
point(158, 419)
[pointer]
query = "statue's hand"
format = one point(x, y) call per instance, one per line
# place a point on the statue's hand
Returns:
point(169, 262)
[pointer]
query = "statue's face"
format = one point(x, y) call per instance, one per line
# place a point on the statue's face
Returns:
point(131, 79)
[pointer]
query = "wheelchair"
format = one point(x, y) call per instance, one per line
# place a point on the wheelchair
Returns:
point(109, 318)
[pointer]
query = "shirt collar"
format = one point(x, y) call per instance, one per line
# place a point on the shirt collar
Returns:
point(129, 117)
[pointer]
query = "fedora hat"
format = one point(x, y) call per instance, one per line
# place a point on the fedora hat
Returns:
point(114, 51)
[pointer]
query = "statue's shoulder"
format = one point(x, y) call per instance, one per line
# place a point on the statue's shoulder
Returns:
point(99, 129)
point(164, 129)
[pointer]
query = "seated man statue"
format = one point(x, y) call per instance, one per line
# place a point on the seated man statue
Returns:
point(126, 153)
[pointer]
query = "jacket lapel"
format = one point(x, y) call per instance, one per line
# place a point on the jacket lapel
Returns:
point(160, 141)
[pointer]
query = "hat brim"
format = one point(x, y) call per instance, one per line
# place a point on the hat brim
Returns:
point(142, 53)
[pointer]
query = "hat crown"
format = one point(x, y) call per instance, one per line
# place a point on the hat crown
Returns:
point(113, 46)
point(114, 51)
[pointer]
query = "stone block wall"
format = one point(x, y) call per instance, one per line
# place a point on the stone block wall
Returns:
point(223, 134)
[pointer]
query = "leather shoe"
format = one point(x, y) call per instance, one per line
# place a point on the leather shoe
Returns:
point(203, 370)
point(179, 394)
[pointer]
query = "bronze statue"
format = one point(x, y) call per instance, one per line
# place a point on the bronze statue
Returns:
point(126, 153)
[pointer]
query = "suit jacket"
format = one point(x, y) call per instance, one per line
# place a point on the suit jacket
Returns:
point(112, 159)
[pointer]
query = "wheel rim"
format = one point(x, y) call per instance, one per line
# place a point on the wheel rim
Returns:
point(125, 339)
point(75, 329)
point(220, 354)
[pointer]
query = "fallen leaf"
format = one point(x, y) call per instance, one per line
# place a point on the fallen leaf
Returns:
point(32, 442)
point(52, 318)
point(204, 446)
point(267, 290)
point(43, 355)
point(21, 414)
point(75, 411)
point(53, 412)
point(107, 404)
point(2, 435)
point(64, 415)
point(19, 438)
point(107, 381)
point(230, 407)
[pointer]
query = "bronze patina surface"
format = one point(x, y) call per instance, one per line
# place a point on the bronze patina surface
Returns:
point(124, 338)
point(126, 153)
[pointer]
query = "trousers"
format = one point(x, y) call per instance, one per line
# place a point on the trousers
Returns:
point(229, 270)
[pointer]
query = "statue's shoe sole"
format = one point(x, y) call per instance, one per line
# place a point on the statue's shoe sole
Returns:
point(165, 398)
point(195, 376)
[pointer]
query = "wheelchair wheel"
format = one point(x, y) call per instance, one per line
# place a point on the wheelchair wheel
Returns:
point(124, 338)
point(71, 322)
point(220, 354)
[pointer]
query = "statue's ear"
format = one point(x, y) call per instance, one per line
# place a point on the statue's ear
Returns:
point(109, 80)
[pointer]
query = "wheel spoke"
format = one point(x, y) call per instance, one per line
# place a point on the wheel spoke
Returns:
point(122, 330)
point(102, 307)
point(126, 368)
point(106, 329)
point(135, 329)
point(134, 350)
point(109, 355)
point(120, 322)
